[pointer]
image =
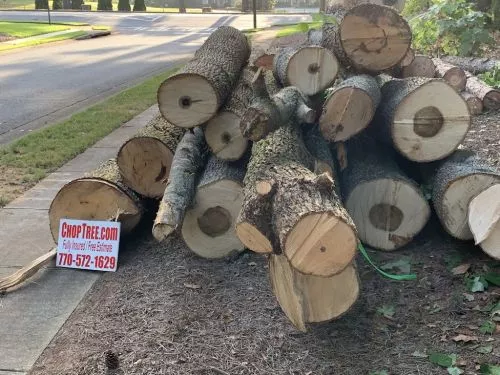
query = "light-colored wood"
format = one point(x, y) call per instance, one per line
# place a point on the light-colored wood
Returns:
point(453, 75)
point(224, 136)
point(312, 299)
point(473, 102)
point(489, 95)
point(421, 66)
point(484, 220)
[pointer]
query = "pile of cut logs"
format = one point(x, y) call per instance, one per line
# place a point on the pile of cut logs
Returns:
point(302, 154)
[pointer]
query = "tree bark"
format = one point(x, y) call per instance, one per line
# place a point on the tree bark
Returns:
point(489, 95)
point(99, 195)
point(475, 65)
point(188, 162)
point(144, 160)
point(473, 102)
point(453, 75)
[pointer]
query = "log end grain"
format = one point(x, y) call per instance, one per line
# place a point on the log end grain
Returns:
point(421, 66)
point(224, 137)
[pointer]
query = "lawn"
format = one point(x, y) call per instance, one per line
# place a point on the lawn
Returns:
point(27, 29)
point(50, 39)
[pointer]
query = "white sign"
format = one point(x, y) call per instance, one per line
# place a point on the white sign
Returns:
point(88, 244)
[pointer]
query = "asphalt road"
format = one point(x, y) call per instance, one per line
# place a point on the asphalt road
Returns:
point(44, 84)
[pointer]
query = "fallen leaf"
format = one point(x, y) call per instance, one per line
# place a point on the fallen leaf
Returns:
point(464, 338)
point(468, 297)
point(432, 325)
point(490, 339)
point(418, 354)
point(403, 265)
point(485, 349)
point(387, 311)
point(192, 286)
point(486, 369)
point(444, 360)
point(454, 371)
point(472, 327)
point(488, 327)
point(461, 269)
point(477, 284)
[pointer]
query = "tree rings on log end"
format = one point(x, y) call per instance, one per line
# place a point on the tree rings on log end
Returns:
point(253, 238)
point(223, 136)
point(430, 122)
point(320, 244)
point(187, 100)
point(144, 164)
point(388, 212)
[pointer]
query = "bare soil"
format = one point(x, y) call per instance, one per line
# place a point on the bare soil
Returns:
point(12, 184)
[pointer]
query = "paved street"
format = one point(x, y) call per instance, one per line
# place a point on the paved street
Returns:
point(50, 82)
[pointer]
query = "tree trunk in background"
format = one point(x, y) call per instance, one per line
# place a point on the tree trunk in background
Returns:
point(182, 6)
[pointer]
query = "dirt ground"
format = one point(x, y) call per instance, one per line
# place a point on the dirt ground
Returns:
point(166, 311)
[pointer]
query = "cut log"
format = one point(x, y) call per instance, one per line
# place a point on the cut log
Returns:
point(187, 165)
point(475, 65)
point(347, 4)
point(484, 220)
point(99, 195)
point(489, 95)
point(309, 68)
point(320, 151)
point(349, 107)
point(209, 227)
point(144, 160)
point(425, 119)
point(259, 58)
point(267, 114)
point(309, 223)
point(453, 75)
point(387, 207)
point(408, 59)
point(272, 86)
point(223, 132)
point(473, 102)
point(312, 299)
point(457, 180)
point(193, 96)
point(421, 66)
point(369, 38)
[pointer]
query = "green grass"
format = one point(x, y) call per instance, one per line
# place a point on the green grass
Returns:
point(35, 42)
point(27, 29)
point(301, 27)
point(47, 149)
point(101, 28)
point(53, 23)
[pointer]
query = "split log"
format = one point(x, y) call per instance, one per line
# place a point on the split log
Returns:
point(421, 66)
point(193, 96)
point(456, 181)
point(187, 165)
point(473, 102)
point(99, 195)
point(309, 68)
point(484, 220)
point(144, 160)
point(265, 115)
point(349, 107)
point(475, 65)
point(312, 299)
point(453, 75)
point(425, 119)
point(208, 228)
point(387, 207)
point(288, 208)
point(489, 95)
point(368, 38)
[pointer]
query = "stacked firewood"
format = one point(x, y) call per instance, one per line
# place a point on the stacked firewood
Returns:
point(301, 154)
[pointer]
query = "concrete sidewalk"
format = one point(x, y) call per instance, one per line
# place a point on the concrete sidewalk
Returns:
point(31, 315)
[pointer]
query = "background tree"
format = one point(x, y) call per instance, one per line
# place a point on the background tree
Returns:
point(57, 4)
point(182, 6)
point(139, 6)
point(104, 5)
point(41, 4)
point(76, 4)
point(124, 5)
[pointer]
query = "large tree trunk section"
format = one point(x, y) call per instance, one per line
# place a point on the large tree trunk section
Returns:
point(473, 102)
point(424, 118)
point(457, 180)
point(453, 75)
point(100, 195)
point(347, 4)
point(475, 65)
point(193, 96)
point(484, 220)
point(387, 207)
point(265, 115)
point(312, 299)
point(349, 107)
point(311, 226)
point(209, 227)
point(320, 150)
point(369, 38)
point(421, 66)
point(408, 59)
point(144, 160)
point(489, 95)
point(188, 162)
point(309, 68)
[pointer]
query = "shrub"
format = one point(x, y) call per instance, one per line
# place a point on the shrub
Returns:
point(492, 77)
point(124, 5)
point(57, 4)
point(139, 6)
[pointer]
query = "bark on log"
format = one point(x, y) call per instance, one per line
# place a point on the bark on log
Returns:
point(474, 65)
point(349, 107)
point(489, 95)
point(456, 181)
point(187, 165)
point(309, 223)
point(425, 119)
point(265, 115)
point(208, 227)
point(421, 66)
point(453, 75)
point(99, 195)
point(144, 160)
point(386, 206)
point(193, 96)
point(302, 297)
point(320, 151)
point(473, 102)
point(484, 220)
point(309, 68)
point(368, 38)
point(272, 86)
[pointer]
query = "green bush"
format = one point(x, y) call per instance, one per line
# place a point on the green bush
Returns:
point(139, 6)
point(492, 77)
point(124, 5)
point(57, 4)
point(451, 27)
point(413, 7)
